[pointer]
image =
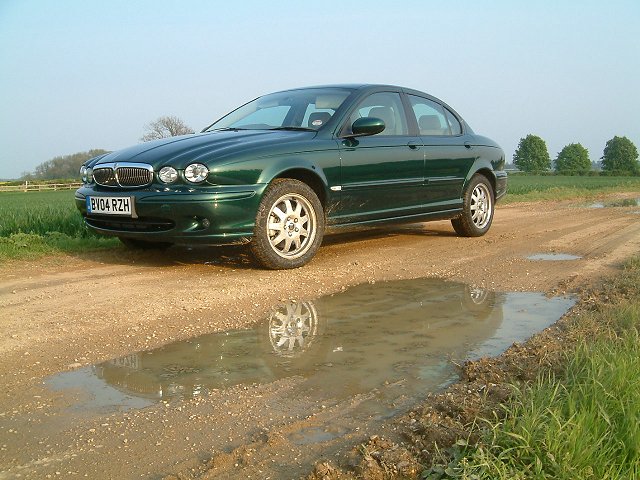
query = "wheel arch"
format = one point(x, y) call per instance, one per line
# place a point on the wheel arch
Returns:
point(489, 174)
point(310, 177)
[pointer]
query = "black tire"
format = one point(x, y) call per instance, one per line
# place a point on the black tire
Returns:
point(477, 208)
point(293, 208)
point(135, 244)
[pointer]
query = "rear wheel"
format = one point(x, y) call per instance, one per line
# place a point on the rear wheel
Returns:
point(477, 208)
point(289, 225)
point(136, 244)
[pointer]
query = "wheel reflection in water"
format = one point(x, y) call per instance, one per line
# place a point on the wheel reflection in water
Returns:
point(293, 328)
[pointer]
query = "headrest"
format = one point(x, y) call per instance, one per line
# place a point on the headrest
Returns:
point(430, 124)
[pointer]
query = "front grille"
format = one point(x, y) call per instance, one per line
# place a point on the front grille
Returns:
point(131, 224)
point(127, 175)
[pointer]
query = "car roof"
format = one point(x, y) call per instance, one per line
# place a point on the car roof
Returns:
point(348, 86)
point(364, 87)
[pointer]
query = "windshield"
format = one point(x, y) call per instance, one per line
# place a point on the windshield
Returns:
point(307, 109)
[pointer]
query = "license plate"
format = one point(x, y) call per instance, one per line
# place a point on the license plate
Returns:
point(111, 206)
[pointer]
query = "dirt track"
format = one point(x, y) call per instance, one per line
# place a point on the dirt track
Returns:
point(65, 312)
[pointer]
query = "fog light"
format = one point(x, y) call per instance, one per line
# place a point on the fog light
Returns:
point(205, 223)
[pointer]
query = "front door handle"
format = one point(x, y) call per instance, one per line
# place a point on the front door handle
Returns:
point(414, 145)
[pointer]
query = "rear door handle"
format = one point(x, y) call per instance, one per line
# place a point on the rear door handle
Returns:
point(414, 145)
point(467, 145)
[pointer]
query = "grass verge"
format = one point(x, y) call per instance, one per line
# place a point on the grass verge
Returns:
point(581, 421)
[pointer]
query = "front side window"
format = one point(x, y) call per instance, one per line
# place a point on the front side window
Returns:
point(386, 106)
point(305, 109)
point(431, 117)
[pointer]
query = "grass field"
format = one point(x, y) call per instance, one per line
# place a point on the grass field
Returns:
point(36, 223)
point(528, 188)
point(40, 213)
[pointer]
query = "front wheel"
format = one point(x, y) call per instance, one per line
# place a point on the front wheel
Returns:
point(477, 208)
point(289, 225)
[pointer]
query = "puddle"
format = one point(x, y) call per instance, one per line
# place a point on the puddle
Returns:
point(552, 257)
point(624, 202)
point(369, 338)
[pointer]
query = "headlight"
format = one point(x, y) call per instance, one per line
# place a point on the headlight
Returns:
point(168, 175)
point(196, 172)
point(86, 174)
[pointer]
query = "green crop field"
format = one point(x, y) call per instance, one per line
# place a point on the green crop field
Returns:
point(36, 223)
point(559, 187)
point(40, 213)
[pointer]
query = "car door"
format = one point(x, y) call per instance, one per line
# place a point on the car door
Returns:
point(382, 175)
point(447, 158)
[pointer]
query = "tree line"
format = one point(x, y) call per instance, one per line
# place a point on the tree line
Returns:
point(620, 157)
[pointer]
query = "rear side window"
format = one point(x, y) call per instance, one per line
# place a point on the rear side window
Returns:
point(431, 117)
point(454, 124)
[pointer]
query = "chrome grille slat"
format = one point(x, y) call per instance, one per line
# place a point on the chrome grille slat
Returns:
point(126, 175)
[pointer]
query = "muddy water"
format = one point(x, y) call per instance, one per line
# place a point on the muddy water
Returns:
point(355, 342)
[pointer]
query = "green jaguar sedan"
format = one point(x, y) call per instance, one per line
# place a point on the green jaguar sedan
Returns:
point(279, 170)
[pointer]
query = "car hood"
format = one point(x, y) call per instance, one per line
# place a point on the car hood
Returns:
point(208, 148)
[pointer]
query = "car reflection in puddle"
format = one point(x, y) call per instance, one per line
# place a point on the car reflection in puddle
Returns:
point(352, 342)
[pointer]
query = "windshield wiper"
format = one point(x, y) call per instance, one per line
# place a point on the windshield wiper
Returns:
point(227, 129)
point(291, 127)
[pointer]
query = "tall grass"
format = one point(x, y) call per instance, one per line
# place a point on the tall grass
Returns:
point(587, 427)
point(40, 213)
point(36, 223)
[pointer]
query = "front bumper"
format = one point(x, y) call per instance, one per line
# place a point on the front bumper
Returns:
point(211, 215)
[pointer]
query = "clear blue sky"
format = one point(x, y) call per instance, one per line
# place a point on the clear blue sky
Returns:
point(82, 74)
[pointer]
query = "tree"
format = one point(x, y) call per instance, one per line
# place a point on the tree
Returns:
point(620, 155)
point(66, 166)
point(165, 127)
point(573, 158)
point(532, 154)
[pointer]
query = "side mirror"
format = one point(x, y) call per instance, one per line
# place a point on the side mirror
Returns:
point(366, 126)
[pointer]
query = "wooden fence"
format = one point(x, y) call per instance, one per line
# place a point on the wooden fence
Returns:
point(39, 187)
